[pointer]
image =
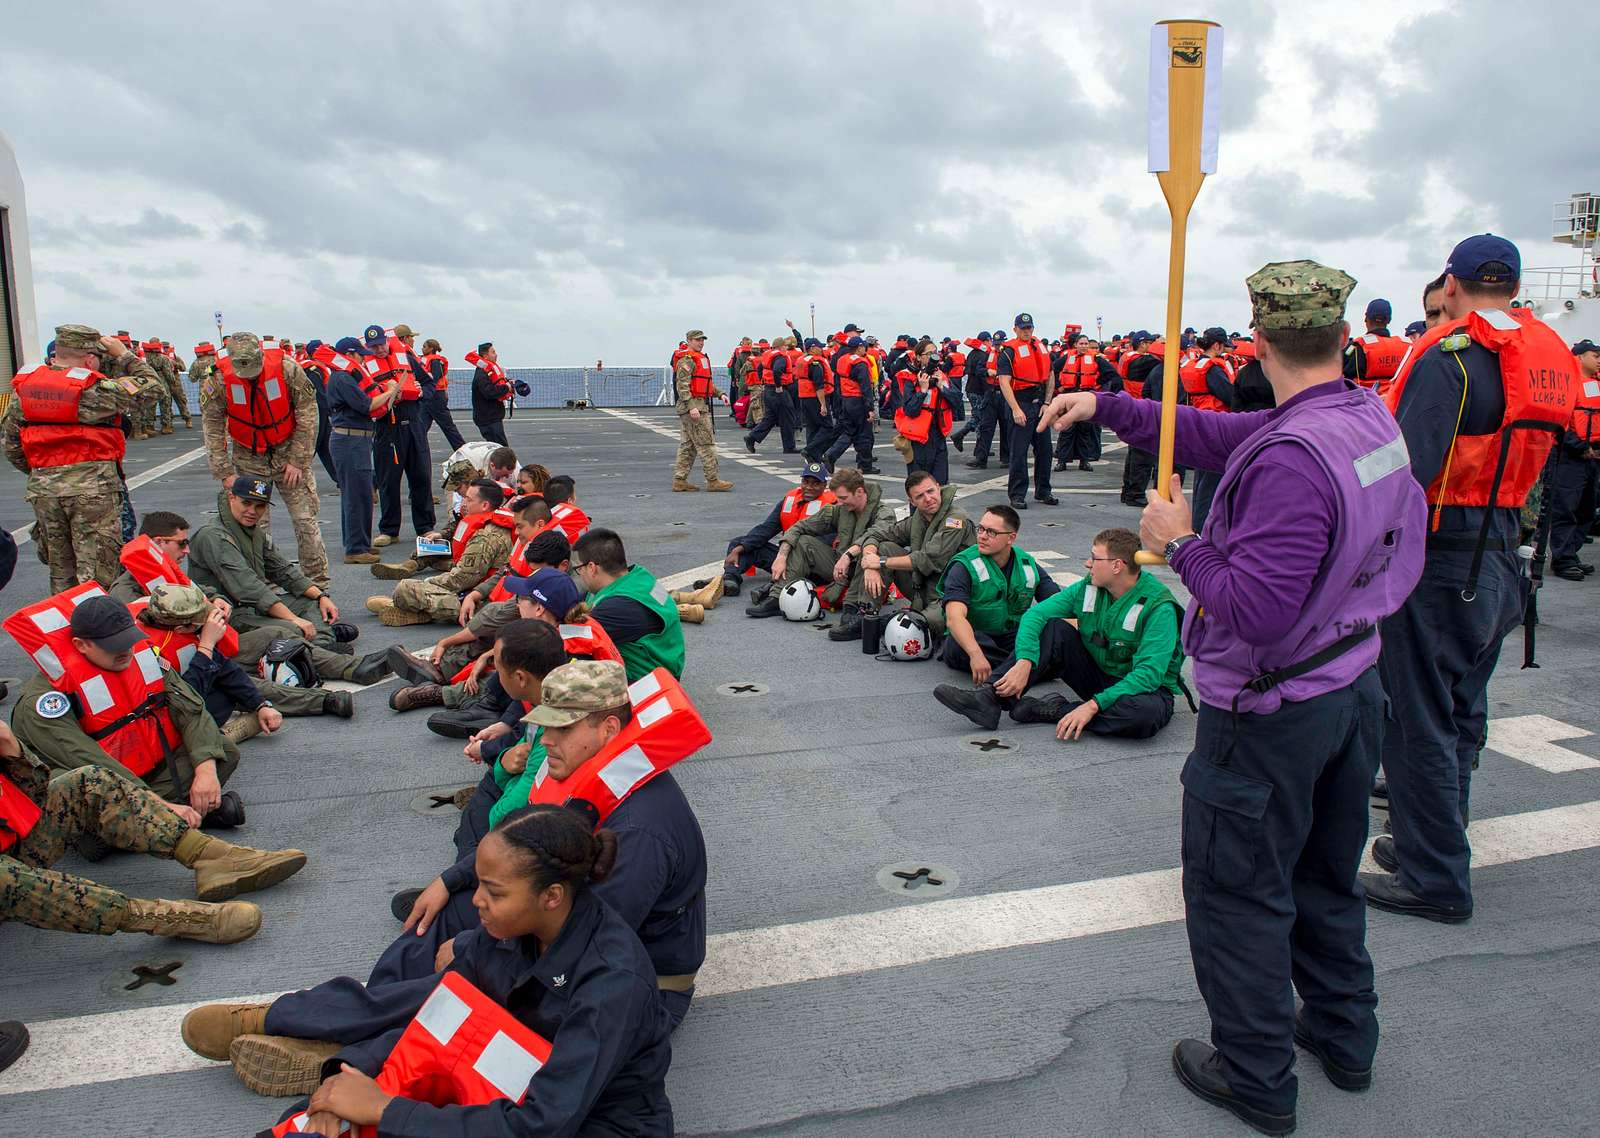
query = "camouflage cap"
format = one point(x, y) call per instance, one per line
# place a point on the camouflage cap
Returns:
point(1297, 294)
point(244, 349)
point(576, 689)
point(694, 334)
point(178, 604)
point(459, 473)
point(78, 338)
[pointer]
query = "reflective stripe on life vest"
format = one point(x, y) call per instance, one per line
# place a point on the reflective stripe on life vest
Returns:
point(52, 433)
point(260, 412)
point(145, 562)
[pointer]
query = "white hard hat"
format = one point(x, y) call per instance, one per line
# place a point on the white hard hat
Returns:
point(798, 601)
point(906, 636)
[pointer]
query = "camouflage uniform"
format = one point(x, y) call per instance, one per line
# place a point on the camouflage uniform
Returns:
point(200, 371)
point(78, 507)
point(697, 436)
point(440, 597)
point(301, 498)
point(88, 801)
point(169, 374)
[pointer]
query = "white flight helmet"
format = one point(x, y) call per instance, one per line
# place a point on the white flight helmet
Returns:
point(798, 601)
point(906, 636)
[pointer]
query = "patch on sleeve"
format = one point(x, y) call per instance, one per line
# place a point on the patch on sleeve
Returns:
point(52, 705)
point(954, 523)
point(128, 384)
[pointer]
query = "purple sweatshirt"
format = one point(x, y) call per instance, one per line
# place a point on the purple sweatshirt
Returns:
point(1268, 580)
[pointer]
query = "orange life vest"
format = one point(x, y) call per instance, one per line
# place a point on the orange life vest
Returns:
point(443, 382)
point(585, 640)
point(1193, 377)
point(146, 564)
point(1134, 388)
point(665, 729)
point(1381, 356)
point(18, 813)
point(573, 521)
point(794, 506)
point(395, 365)
point(462, 1049)
point(808, 386)
point(1539, 375)
point(700, 378)
point(204, 348)
point(178, 648)
point(331, 360)
point(51, 433)
point(494, 371)
point(919, 427)
point(260, 412)
point(1079, 372)
point(1030, 364)
point(467, 527)
point(125, 712)
point(792, 359)
point(1586, 411)
point(848, 387)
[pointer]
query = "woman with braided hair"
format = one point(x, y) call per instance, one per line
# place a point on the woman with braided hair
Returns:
point(551, 955)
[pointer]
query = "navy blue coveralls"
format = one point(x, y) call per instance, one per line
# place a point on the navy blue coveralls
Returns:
point(821, 430)
point(350, 443)
point(1024, 438)
point(855, 427)
point(777, 408)
point(591, 994)
point(1574, 481)
point(658, 887)
point(318, 375)
point(759, 547)
point(400, 448)
point(436, 406)
point(987, 406)
point(933, 455)
point(1081, 442)
point(1439, 650)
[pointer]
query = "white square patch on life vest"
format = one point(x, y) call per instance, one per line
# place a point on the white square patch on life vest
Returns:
point(50, 620)
point(576, 632)
point(625, 771)
point(1592, 389)
point(1090, 592)
point(1131, 621)
point(653, 713)
point(443, 1014)
point(149, 666)
point(659, 594)
point(96, 695)
point(981, 569)
point(1022, 351)
point(643, 688)
point(507, 1066)
point(1030, 577)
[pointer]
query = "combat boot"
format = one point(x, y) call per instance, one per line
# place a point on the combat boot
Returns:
point(210, 1029)
point(849, 626)
point(223, 870)
point(166, 428)
point(692, 614)
point(368, 558)
point(683, 486)
point(339, 704)
point(241, 725)
point(718, 486)
point(1041, 709)
point(382, 539)
point(393, 617)
point(414, 668)
point(706, 595)
point(980, 704)
point(370, 668)
point(278, 1065)
point(418, 695)
point(188, 423)
point(227, 923)
point(395, 571)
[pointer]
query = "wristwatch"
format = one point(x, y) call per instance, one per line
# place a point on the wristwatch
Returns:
point(1181, 540)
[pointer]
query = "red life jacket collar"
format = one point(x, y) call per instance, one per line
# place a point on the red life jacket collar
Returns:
point(148, 565)
point(467, 527)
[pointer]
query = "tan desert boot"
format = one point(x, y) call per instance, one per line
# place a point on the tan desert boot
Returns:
point(227, 923)
point(209, 1030)
point(223, 870)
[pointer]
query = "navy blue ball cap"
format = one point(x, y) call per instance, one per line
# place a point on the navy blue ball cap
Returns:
point(1416, 328)
point(373, 336)
point(812, 342)
point(351, 346)
point(1478, 257)
point(550, 587)
point(252, 489)
point(854, 342)
point(1585, 346)
point(852, 328)
point(1379, 310)
point(984, 337)
point(1000, 334)
point(311, 346)
point(1023, 320)
point(814, 470)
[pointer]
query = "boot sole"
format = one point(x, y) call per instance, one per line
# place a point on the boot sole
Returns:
point(456, 730)
point(263, 878)
point(397, 618)
point(403, 663)
point(1255, 1119)
point(967, 715)
point(391, 572)
point(1341, 1077)
point(1439, 916)
point(269, 1067)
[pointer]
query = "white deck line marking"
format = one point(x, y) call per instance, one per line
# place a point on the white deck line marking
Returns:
point(21, 535)
point(72, 1052)
point(1531, 739)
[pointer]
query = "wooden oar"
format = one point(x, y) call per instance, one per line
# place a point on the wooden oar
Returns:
point(1185, 108)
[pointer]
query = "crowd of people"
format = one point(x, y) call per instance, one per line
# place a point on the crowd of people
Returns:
point(1342, 488)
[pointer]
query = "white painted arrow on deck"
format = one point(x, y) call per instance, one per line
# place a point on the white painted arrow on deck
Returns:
point(1532, 739)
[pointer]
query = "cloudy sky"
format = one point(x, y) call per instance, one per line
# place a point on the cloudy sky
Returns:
point(588, 180)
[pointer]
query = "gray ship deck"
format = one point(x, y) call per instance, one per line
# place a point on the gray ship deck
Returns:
point(1037, 994)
